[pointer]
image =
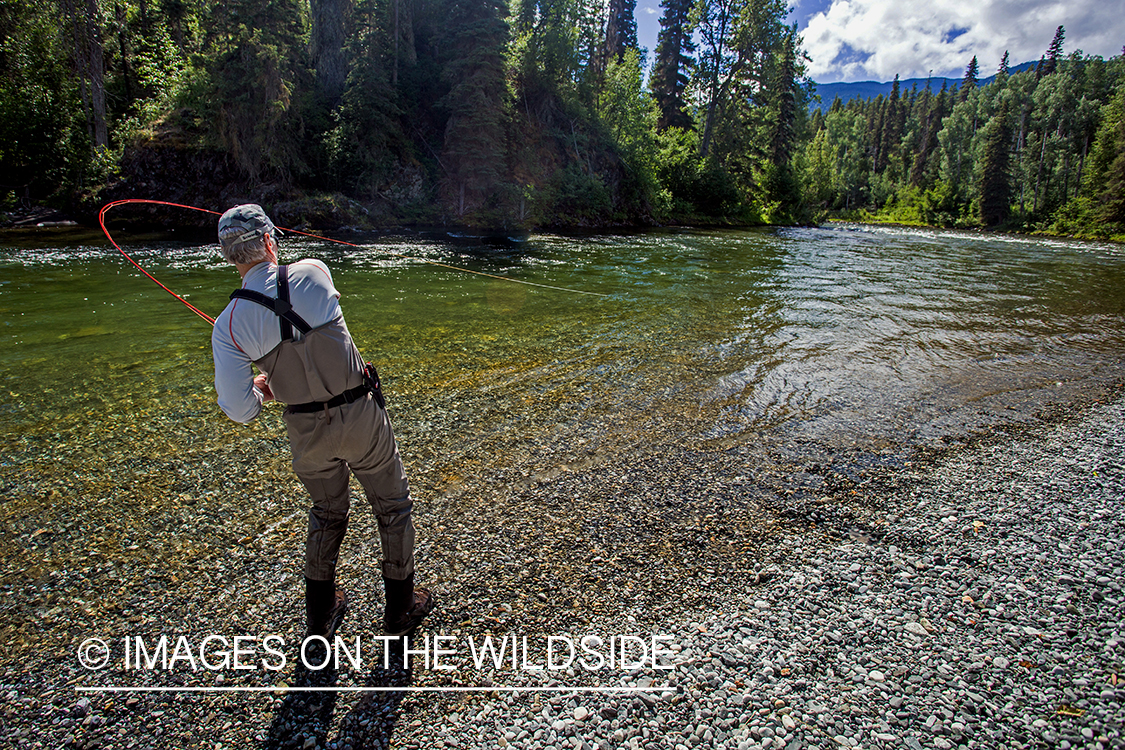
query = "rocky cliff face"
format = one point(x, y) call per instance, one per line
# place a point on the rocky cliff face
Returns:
point(172, 166)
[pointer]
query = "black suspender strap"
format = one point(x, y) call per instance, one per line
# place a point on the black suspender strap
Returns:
point(283, 296)
point(280, 306)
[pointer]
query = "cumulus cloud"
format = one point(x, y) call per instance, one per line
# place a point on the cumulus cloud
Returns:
point(854, 40)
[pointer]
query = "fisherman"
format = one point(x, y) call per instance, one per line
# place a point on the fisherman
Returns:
point(287, 321)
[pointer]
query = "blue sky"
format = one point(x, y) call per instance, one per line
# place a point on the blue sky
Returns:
point(872, 40)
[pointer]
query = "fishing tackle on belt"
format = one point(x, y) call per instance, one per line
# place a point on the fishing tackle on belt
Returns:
point(209, 319)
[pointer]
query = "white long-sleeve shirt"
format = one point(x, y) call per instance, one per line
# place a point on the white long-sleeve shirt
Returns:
point(246, 331)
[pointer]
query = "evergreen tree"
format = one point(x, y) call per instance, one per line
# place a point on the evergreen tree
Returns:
point(891, 132)
point(257, 70)
point(363, 146)
point(329, 19)
point(970, 79)
point(1111, 140)
point(1002, 71)
point(620, 30)
point(673, 61)
point(995, 188)
point(784, 92)
point(1054, 52)
point(473, 154)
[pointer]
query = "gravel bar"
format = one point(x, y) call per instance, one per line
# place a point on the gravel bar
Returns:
point(969, 599)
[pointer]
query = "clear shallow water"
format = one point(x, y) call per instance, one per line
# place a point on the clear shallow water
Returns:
point(846, 335)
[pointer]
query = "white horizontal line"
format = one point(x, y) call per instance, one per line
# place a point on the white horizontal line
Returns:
point(357, 689)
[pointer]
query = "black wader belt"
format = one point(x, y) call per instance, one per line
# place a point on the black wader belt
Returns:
point(346, 397)
point(280, 307)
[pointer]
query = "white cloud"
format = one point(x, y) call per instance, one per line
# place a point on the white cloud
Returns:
point(855, 40)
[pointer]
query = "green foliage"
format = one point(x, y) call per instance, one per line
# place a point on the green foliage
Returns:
point(696, 186)
point(995, 186)
point(257, 86)
point(537, 113)
point(571, 195)
point(365, 143)
point(629, 113)
point(1030, 150)
point(43, 146)
point(820, 174)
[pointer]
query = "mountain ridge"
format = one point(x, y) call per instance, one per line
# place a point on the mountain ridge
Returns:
point(847, 91)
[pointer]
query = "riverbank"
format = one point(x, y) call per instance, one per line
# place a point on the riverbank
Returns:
point(972, 600)
point(874, 220)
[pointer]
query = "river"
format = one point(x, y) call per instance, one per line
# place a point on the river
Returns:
point(866, 340)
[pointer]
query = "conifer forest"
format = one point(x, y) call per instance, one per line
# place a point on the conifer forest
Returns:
point(537, 113)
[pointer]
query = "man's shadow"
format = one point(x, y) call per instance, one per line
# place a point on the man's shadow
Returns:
point(306, 715)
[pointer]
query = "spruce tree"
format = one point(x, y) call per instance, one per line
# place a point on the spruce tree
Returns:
point(995, 185)
point(1002, 71)
point(473, 154)
point(784, 87)
point(620, 30)
point(670, 73)
point(892, 127)
point(257, 66)
point(1054, 52)
point(329, 19)
point(970, 79)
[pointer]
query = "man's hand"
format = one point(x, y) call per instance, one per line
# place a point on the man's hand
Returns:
point(260, 384)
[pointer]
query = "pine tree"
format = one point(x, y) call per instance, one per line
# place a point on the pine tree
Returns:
point(620, 30)
point(970, 79)
point(329, 19)
point(670, 74)
point(892, 127)
point(257, 66)
point(995, 185)
point(784, 91)
point(473, 153)
point(1002, 71)
point(1054, 52)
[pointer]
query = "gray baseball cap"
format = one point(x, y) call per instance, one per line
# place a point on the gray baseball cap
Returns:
point(244, 223)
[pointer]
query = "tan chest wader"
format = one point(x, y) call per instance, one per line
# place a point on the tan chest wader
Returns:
point(323, 369)
point(336, 429)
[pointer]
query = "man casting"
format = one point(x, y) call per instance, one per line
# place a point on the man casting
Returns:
point(286, 320)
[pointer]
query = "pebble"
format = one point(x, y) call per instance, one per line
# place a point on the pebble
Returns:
point(895, 661)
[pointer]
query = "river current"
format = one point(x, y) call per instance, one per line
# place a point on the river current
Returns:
point(844, 336)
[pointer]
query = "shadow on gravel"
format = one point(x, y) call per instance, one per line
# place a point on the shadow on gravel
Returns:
point(304, 718)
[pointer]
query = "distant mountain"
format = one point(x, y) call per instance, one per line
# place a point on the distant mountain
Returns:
point(871, 89)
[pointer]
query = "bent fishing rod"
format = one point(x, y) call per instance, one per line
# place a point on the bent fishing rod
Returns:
point(209, 319)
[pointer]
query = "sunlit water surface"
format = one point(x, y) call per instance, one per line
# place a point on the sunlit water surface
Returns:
point(833, 337)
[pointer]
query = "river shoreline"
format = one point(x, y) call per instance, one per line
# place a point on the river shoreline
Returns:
point(39, 218)
point(892, 612)
point(982, 231)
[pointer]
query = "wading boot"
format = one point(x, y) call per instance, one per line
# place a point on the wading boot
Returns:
point(325, 607)
point(406, 606)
